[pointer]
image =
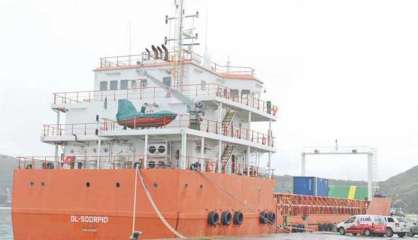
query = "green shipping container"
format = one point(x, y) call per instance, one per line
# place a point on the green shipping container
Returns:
point(361, 193)
point(337, 191)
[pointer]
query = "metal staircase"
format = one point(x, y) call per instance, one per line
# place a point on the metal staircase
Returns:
point(227, 153)
point(229, 116)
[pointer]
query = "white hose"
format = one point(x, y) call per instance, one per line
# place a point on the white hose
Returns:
point(134, 207)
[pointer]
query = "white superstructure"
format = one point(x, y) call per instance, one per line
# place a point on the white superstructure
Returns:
point(215, 106)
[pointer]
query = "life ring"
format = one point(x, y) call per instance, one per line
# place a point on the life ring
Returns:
point(213, 218)
point(238, 218)
point(69, 159)
point(226, 218)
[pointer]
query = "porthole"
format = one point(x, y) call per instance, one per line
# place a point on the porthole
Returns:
point(42, 184)
point(155, 185)
point(118, 185)
point(31, 184)
point(87, 184)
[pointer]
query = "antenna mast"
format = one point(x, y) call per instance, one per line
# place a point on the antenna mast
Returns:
point(183, 34)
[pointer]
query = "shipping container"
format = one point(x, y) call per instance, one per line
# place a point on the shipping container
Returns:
point(338, 191)
point(361, 193)
point(348, 192)
point(310, 186)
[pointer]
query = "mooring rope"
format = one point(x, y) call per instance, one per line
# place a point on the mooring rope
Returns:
point(157, 211)
point(134, 207)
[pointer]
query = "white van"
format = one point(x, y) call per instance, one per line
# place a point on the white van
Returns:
point(396, 225)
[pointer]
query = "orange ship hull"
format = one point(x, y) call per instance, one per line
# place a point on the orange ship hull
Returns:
point(58, 204)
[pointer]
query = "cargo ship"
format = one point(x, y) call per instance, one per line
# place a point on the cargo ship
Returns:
point(162, 147)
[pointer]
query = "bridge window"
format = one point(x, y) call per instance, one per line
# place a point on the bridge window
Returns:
point(133, 84)
point(245, 92)
point(103, 86)
point(167, 81)
point(123, 84)
point(203, 85)
point(113, 85)
point(143, 83)
point(234, 93)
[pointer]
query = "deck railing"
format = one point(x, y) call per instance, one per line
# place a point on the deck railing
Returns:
point(294, 205)
point(188, 57)
point(107, 127)
point(136, 161)
point(154, 93)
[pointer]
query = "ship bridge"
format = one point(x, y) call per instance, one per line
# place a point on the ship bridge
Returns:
point(213, 107)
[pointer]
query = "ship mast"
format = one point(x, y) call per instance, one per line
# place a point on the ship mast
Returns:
point(183, 36)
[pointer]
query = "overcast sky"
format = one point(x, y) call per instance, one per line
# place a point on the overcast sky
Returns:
point(337, 69)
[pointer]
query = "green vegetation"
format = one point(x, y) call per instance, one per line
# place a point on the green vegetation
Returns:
point(403, 188)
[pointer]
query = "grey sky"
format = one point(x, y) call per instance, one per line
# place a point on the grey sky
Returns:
point(337, 69)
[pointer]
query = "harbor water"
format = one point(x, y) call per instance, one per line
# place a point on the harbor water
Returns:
point(5, 224)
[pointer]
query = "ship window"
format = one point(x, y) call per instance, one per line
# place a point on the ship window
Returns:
point(167, 81)
point(117, 184)
point(143, 83)
point(113, 85)
point(87, 184)
point(103, 86)
point(245, 92)
point(133, 84)
point(123, 84)
point(203, 85)
point(234, 93)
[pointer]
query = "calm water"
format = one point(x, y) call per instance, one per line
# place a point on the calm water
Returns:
point(5, 224)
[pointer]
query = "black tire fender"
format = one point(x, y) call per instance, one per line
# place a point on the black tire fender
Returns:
point(226, 218)
point(263, 217)
point(238, 218)
point(213, 218)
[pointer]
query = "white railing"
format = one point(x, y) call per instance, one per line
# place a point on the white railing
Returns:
point(155, 93)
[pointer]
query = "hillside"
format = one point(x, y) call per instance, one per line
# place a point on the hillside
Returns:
point(403, 189)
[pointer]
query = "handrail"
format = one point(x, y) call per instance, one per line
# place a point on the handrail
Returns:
point(188, 56)
point(152, 93)
point(291, 204)
point(121, 161)
point(182, 120)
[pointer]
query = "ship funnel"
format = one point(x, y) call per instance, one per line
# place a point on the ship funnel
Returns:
point(166, 56)
point(154, 49)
